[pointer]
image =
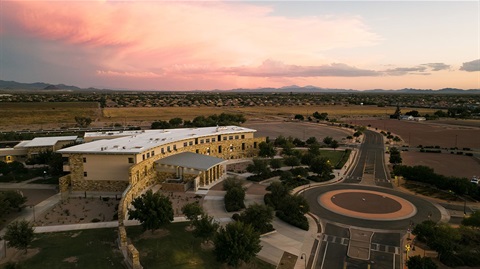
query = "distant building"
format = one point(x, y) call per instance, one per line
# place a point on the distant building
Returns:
point(29, 148)
point(406, 117)
point(190, 157)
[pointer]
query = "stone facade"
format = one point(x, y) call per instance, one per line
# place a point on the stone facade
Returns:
point(98, 185)
point(134, 257)
point(143, 175)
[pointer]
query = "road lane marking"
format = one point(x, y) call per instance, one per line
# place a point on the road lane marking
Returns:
point(324, 255)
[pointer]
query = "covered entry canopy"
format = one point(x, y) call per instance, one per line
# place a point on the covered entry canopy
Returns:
point(191, 160)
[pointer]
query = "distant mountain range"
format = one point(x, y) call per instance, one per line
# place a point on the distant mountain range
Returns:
point(41, 86)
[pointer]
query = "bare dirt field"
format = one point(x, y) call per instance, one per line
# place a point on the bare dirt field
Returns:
point(79, 210)
point(34, 116)
point(444, 163)
point(87, 210)
point(429, 133)
point(299, 130)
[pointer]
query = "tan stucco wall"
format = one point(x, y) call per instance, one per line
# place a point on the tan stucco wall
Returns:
point(144, 175)
point(106, 167)
point(113, 168)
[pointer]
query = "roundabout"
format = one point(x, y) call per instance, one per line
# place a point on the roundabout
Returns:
point(367, 204)
point(369, 207)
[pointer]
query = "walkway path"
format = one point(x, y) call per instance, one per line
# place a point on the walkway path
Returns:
point(25, 185)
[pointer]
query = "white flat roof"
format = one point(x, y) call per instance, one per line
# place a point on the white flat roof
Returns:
point(48, 141)
point(191, 160)
point(22, 144)
point(142, 140)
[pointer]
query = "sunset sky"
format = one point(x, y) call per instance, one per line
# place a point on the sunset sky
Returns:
point(205, 45)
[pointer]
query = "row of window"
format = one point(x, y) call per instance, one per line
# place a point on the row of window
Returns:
point(190, 143)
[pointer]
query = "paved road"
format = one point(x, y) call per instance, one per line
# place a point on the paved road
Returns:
point(385, 251)
point(384, 248)
point(370, 167)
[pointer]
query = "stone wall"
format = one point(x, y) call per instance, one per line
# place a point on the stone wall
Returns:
point(175, 187)
point(76, 167)
point(98, 185)
point(64, 183)
point(144, 175)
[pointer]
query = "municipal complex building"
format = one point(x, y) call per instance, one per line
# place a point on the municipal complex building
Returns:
point(179, 159)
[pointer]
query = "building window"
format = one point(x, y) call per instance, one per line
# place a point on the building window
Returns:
point(84, 159)
point(230, 137)
point(84, 174)
point(174, 147)
point(213, 139)
point(243, 146)
point(201, 141)
point(185, 144)
point(130, 160)
point(207, 140)
point(224, 138)
point(148, 155)
point(168, 148)
point(190, 143)
point(219, 149)
point(153, 153)
point(163, 150)
point(236, 137)
point(143, 156)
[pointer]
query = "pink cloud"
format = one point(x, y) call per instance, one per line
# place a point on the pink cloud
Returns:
point(145, 37)
point(128, 74)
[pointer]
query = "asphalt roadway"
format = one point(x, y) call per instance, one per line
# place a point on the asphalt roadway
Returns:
point(386, 250)
point(370, 166)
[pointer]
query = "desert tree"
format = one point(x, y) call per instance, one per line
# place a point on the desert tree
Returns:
point(417, 262)
point(259, 216)
point(266, 150)
point(83, 122)
point(334, 144)
point(153, 210)
point(192, 211)
point(236, 242)
point(205, 227)
point(19, 234)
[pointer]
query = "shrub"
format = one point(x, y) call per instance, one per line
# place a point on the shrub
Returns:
point(299, 171)
point(231, 182)
point(299, 221)
point(234, 199)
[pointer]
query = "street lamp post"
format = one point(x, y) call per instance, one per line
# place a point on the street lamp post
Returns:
point(304, 258)
point(33, 208)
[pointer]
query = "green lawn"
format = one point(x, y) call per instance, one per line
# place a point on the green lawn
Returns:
point(92, 249)
point(177, 249)
point(97, 249)
point(336, 157)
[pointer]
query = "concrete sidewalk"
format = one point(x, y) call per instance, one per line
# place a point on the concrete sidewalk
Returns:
point(285, 238)
point(25, 185)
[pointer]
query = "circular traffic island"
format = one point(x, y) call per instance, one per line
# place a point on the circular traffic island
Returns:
point(367, 204)
point(370, 206)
